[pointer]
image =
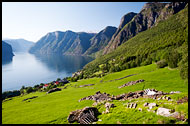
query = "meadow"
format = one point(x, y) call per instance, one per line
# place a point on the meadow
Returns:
point(55, 107)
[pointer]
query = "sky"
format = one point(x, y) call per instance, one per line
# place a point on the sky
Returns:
point(33, 20)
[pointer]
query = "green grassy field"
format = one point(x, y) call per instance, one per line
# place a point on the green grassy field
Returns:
point(54, 108)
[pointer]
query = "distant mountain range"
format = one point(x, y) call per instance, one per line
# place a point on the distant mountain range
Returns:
point(19, 45)
point(108, 39)
point(7, 52)
point(73, 43)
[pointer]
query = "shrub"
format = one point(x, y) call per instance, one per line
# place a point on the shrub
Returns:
point(161, 63)
point(29, 90)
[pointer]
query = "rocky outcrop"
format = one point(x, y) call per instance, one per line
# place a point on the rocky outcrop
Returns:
point(30, 98)
point(132, 83)
point(98, 97)
point(108, 106)
point(53, 90)
point(86, 115)
point(150, 15)
point(86, 85)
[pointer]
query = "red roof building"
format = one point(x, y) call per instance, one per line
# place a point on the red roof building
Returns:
point(56, 82)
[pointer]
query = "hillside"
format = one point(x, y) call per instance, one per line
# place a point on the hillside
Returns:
point(168, 40)
point(7, 52)
point(70, 43)
point(19, 45)
point(149, 16)
point(54, 108)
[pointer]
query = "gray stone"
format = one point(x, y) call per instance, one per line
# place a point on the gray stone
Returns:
point(109, 105)
point(151, 105)
point(163, 112)
point(131, 105)
point(140, 109)
point(175, 92)
point(134, 105)
point(146, 104)
point(86, 115)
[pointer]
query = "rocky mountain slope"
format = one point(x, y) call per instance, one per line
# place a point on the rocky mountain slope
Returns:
point(70, 43)
point(7, 52)
point(150, 15)
point(19, 45)
point(167, 42)
point(99, 41)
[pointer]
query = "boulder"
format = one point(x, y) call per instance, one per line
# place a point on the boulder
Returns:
point(140, 109)
point(86, 115)
point(152, 105)
point(109, 105)
point(175, 92)
point(163, 112)
point(146, 104)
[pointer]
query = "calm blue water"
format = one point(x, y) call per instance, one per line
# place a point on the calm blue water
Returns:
point(28, 69)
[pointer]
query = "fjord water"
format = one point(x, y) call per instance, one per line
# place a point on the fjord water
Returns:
point(28, 69)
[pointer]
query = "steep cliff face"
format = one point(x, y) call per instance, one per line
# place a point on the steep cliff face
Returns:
point(150, 15)
point(99, 41)
point(68, 42)
point(7, 52)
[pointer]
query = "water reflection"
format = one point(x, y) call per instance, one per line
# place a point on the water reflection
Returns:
point(28, 69)
point(66, 63)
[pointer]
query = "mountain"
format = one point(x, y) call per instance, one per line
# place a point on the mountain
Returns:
point(100, 40)
point(19, 45)
point(7, 52)
point(166, 42)
point(69, 43)
point(150, 15)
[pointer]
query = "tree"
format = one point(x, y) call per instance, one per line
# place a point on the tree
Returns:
point(29, 90)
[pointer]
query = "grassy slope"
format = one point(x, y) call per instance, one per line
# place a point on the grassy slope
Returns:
point(55, 107)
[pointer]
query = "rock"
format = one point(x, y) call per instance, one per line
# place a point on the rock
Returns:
point(95, 104)
point(131, 83)
point(151, 105)
point(107, 111)
point(86, 115)
point(109, 105)
point(168, 98)
point(134, 105)
point(86, 85)
point(151, 93)
point(174, 92)
point(146, 104)
point(98, 97)
point(140, 109)
point(30, 98)
point(53, 90)
point(163, 112)
point(131, 105)
point(159, 98)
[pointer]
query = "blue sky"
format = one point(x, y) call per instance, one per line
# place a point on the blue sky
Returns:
point(33, 20)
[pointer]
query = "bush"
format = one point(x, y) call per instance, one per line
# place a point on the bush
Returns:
point(29, 90)
point(161, 63)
